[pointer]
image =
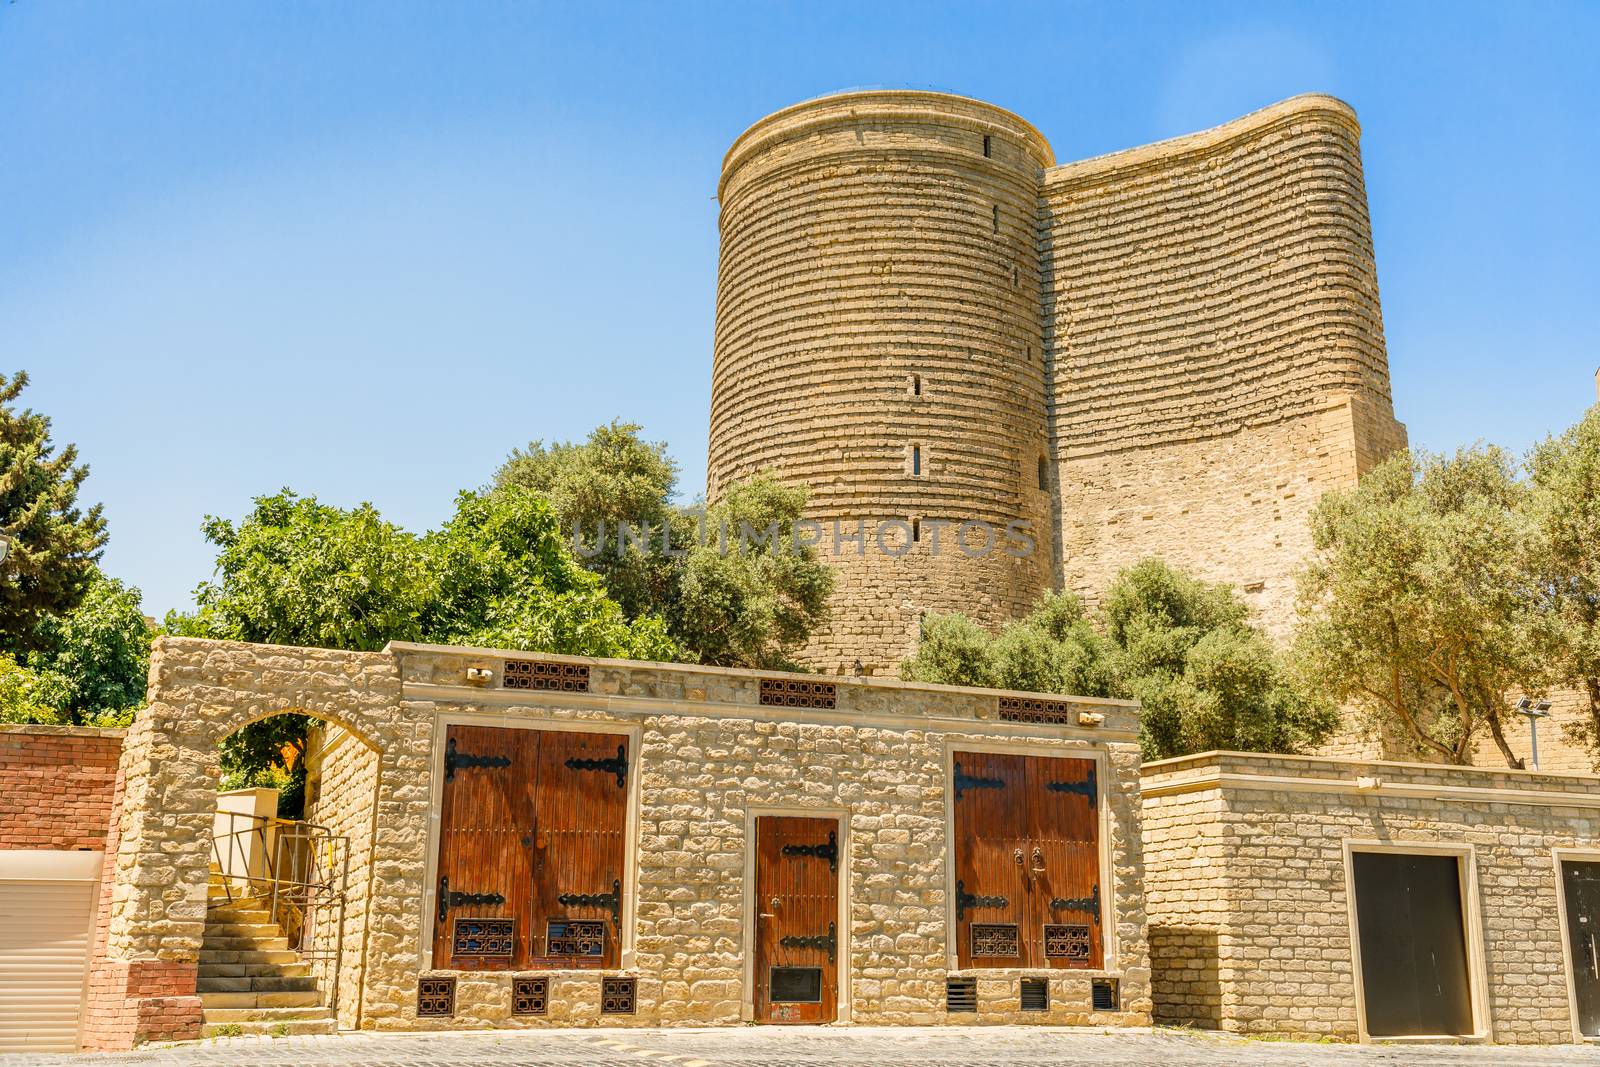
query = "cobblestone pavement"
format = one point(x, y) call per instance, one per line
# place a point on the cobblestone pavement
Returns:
point(808, 1047)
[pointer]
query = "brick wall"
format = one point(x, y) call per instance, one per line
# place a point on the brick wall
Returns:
point(56, 785)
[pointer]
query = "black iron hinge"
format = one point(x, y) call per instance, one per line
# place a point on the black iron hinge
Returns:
point(1090, 903)
point(617, 765)
point(965, 781)
point(1088, 787)
point(829, 852)
point(449, 899)
point(829, 941)
point(611, 901)
point(965, 900)
point(454, 759)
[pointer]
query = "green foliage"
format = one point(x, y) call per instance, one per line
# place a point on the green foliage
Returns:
point(1204, 677)
point(96, 658)
point(1564, 507)
point(51, 561)
point(1418, 605)
point(750, 605)
point(18, 699)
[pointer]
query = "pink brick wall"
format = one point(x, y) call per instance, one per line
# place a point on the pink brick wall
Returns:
point(56, 785)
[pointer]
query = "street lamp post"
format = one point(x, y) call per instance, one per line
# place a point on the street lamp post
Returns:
point(1534, 712)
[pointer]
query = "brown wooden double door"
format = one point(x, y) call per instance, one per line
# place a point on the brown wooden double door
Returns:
point(531, 849)
point(798, 938)
point(1027, 861)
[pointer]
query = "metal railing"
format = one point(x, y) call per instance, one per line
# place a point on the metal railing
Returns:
point(297, 871)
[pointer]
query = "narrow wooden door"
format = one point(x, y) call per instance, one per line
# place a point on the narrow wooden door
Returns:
point(485, 828)
point(1063, 864)
point(799, 941)
point(991, 825)
point(578, 855)
point(1413, 944)
point(1582, 883)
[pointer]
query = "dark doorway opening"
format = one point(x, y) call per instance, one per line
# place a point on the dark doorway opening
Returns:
point(1580, 881)
point(1413, 944)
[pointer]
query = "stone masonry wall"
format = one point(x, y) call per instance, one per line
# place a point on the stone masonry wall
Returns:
point(56, 786)
point(709, 755)
point(1249, 912)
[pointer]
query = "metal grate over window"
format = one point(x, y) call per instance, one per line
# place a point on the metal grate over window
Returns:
point(436, 997)
point(960, 994)
point(545, 675)
point(1034, 994)
point(487, 938)
point(1066, 941)
point(618, 995)
point(530, 996)
point(1104, 995)
point(793, 693)
point(1036, 709)
point(995, 939)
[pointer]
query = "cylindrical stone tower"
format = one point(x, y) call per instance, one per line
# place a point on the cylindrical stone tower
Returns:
point(878, 340)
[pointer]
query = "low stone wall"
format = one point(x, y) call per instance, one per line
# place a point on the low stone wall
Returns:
point(1249, 911)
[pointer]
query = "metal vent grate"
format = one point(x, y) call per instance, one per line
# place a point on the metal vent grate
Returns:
point(618, 995)
point(530, 996)
point(995, 939)
point(1066, 941)
point(543, 674)
point(575, 937)
point(1103, 995)
point(960, 994)
point(1035, 994)
point(489, 938)
point(436, 997)
point(790, 693)
point(1036, 709)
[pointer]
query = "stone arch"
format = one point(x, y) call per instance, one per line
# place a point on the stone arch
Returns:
point(200, 692)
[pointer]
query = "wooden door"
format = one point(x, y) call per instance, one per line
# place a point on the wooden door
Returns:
point(1027, 859)
point(799, 941)
point(1413, 944)
point(579, 851)
point(1581, 880)
point(989, 792)
point(1063, 864)
point(485, 827)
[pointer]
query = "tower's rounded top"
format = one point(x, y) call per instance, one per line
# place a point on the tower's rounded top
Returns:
point(885, 104)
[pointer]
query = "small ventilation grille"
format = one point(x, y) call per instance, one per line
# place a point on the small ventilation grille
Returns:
point(540, 674)
point(575, 937)
point(1066, 941)
point(960, 994)
point(436, 997)
point(1103, 995)
point(995, 939)
point(1035, 994)
point(530, 996)
point(617, 995)
point(1034, 709)
point(489, 938)
point(790, 693)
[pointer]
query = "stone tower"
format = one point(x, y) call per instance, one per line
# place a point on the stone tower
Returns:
point(1168, 351)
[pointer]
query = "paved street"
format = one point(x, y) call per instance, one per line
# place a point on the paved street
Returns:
point(775, 1047)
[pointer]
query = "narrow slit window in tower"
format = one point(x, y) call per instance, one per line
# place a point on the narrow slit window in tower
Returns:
point(916, 530)
point(986, 147)
point(1044, 474)
point(916, 461)
point(916, 385)
point(997, 218)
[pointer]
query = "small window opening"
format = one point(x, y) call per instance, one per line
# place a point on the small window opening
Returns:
point(997, 218)
point(916, 385)
point(986, 146)
point(960, 994)
point(1044, 474)
point(916, 461)
point(1103, 995)
point(916, 529)
point(1016, 276)
point(1034, 994)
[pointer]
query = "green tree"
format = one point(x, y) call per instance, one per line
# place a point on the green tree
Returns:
point(18, 700)
point(728, 600)
point(95, 659)
point(1417, 605)
point(1564, 503)
point(1205, 678)
point(54, 544)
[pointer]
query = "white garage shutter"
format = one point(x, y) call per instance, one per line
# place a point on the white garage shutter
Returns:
point(45, 929)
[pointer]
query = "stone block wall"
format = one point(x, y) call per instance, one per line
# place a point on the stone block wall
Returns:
point(1246, 885)
point(56, 786)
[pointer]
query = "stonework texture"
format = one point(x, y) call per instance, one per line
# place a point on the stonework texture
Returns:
point(708, 757)
point(1169, 351)
point(1249, 911)
point(56, 786)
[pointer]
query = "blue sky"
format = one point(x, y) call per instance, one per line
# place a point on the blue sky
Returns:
point(365, 249)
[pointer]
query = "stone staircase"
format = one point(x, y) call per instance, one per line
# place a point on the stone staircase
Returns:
point(250, 981)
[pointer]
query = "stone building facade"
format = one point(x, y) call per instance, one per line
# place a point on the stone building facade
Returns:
point(704, 755)
point(1255, 902)
point(1172, 350)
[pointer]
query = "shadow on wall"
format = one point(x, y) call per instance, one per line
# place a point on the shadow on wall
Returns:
point(1186, 986)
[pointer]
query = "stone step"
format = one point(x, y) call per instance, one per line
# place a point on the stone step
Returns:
point(265, 983)
point(215, 1002)
point(241, 944)
point(250, 916)
point(233, 929)
point(270, 1028)
point(255, 970)
point(210, 955)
